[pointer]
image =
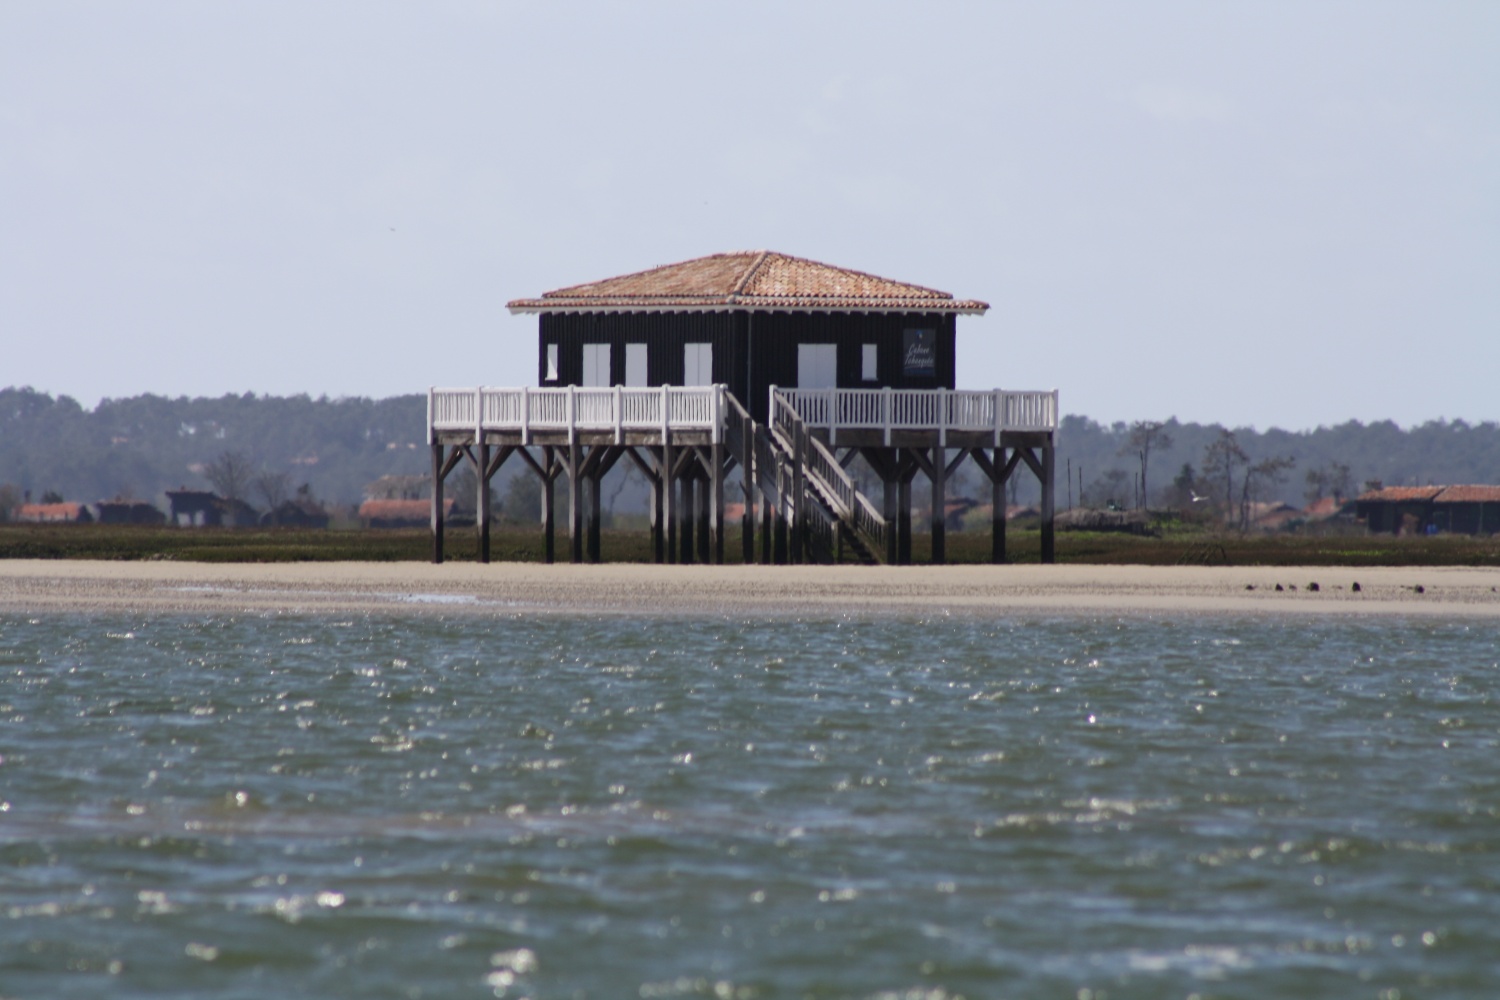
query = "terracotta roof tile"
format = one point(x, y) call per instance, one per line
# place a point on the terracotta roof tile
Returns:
point(1400, 494)
point(1324, 507)
point(750, 280)
point(1469, 494)
point(40, 512)
point(414, 510)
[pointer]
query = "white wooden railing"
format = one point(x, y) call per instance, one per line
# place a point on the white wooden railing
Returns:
point(618, 409)
point(943, 410)
point(575, 408)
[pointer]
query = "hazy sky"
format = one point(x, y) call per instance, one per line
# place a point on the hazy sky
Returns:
point(1273, 214)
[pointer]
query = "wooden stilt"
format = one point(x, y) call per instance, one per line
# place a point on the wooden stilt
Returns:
point(482, 503)
point(796, 527)
point(656, 525)
point(939, 513)
point(1049, 500)
point(437, 503)
point(767, 529)
point(747, 488)
point(669, 498)
point(549, 496)
point(909, 463)
point(575, 505)
point(997, 507)
point(716, 505)
point(780, 546)
point(653, 479)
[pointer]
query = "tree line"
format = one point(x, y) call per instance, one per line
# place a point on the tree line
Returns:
point(278, 446)
point(137, 448)
point(1168, 462)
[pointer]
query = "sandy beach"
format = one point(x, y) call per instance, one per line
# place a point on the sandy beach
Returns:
point(507, 588)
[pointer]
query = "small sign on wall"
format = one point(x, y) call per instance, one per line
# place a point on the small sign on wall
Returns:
point(919, 353)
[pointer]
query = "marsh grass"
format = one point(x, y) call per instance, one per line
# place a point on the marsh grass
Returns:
point(511, 543)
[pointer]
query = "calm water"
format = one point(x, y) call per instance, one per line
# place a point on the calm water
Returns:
point(677, 807)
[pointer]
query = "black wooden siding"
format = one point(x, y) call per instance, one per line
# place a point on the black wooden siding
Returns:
point(664, 335)
point(751, 351)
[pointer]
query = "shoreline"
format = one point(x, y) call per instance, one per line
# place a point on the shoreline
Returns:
point(168, 587)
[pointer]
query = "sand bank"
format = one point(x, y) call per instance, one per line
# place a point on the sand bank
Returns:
point(505, 588)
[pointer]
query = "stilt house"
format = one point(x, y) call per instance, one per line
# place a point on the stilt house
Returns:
point(784, 369)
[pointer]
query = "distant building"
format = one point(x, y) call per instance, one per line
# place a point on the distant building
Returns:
point(399, 488)
point(197, 508)
point(1326, 509)
point(1467, 510)
point(296, 514)
point(54, 513)
point(399, 513)
point(1411, 510)
point(1272, 515)
point(200, 508)
point(119, 511)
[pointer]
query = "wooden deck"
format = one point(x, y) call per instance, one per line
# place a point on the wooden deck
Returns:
point(884, 417)
point(686, 439)
point(891, 417)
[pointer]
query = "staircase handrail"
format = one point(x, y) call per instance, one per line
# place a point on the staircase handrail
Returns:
point(830, 477)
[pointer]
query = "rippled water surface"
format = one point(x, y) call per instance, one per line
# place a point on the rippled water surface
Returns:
point(707, 806)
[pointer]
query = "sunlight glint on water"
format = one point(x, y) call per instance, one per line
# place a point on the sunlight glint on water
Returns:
point(828, 807)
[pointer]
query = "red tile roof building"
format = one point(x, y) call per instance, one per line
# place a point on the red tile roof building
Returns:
point(54, 513)
point(748, 320)
point(399, 513)
point(1399, 510)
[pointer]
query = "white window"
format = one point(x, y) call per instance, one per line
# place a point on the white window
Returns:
point(817, 366)
point(867, 369)
point(635, 365)
point(698, 364)
point(595, 364)
point(551, 363)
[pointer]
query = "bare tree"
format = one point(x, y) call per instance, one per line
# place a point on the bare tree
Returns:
point(231, 475)
point(1145, 435)
point(1111, 487)
point(1222, 458)
point(628, 472)
point(1334, 478)
point(272, 487)
point(1340, 481)
point(1266, 472)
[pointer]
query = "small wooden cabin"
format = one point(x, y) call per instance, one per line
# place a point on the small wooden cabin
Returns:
point(748, 320)
point(1466, 510)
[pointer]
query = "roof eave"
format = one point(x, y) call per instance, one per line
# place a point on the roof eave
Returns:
point(959, 308)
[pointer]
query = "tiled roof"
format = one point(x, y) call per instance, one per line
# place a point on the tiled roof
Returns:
point(414, 510)
point(1323, 507)
point(1469, 494)
point(1437, 494)
point(40, 512)
point(746, 281)
point(1400, 494)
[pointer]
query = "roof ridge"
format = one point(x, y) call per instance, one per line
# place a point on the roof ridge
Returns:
point(760, 259)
